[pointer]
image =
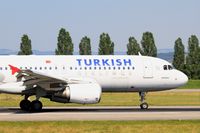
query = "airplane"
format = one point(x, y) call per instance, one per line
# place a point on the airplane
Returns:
point(82, 79)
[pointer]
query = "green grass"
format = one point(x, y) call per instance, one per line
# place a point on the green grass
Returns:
point(102, 127)
point(121, 99)
point(192, 84)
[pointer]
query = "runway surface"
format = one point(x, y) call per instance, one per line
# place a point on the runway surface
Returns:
point(102, 113)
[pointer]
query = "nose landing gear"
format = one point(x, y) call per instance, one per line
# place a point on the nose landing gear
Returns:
point(143, 104)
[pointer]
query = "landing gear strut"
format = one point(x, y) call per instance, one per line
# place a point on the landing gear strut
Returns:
point(143, 104)
point(26, 105)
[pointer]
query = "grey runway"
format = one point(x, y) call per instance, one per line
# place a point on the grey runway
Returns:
point(102, 113)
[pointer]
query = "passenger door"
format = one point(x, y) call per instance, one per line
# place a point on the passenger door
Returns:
point(148, 69)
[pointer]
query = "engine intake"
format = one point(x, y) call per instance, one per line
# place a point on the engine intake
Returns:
point(89, 93)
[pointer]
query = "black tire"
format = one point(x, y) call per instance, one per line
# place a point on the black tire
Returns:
point(25, 105)
point(144, 106)
point(36, 106)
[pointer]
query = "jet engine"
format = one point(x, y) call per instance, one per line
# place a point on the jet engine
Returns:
point(87, 93)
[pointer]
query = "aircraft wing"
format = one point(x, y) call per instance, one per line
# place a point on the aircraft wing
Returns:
point(47, 82)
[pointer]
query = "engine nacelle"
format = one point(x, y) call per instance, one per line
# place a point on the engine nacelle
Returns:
point(79, 93)
point(13, 87)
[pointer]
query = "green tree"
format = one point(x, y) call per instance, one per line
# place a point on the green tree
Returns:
point(133, 47)
point(25, 46)
point(106, 46)
point(148, 44)
point(85, 46)
point(64, 45)
point(193, 47)
point(179, 55)
point(193, 57)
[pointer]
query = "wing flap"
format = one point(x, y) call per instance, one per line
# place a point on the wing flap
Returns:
point(48, 82)
point(32, 78)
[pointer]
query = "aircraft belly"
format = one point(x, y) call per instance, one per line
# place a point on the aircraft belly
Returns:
point(115, 85)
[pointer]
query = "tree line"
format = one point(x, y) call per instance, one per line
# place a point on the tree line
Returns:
point(65, 45)
point(188, 63)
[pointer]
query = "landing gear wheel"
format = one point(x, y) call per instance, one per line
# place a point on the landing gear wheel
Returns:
point(36, 106)
point(144, 106)
point(25, 105)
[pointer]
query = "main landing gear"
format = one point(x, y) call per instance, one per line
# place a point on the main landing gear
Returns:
point(143, 104)
point(26, 105)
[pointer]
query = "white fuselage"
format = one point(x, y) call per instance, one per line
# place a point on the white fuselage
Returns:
point(112, 73)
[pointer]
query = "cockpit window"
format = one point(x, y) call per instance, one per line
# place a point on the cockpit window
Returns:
point(170, 67)
point(165, 67)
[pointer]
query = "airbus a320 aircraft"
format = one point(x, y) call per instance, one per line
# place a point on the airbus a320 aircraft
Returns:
point(82, 79)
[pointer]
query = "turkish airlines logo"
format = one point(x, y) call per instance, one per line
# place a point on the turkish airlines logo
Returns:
point(14, 69)
point(48, 61)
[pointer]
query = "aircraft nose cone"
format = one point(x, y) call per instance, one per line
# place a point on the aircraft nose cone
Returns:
point(183, 79)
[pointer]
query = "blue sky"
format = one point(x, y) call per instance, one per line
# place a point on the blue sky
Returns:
point(42, 19)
